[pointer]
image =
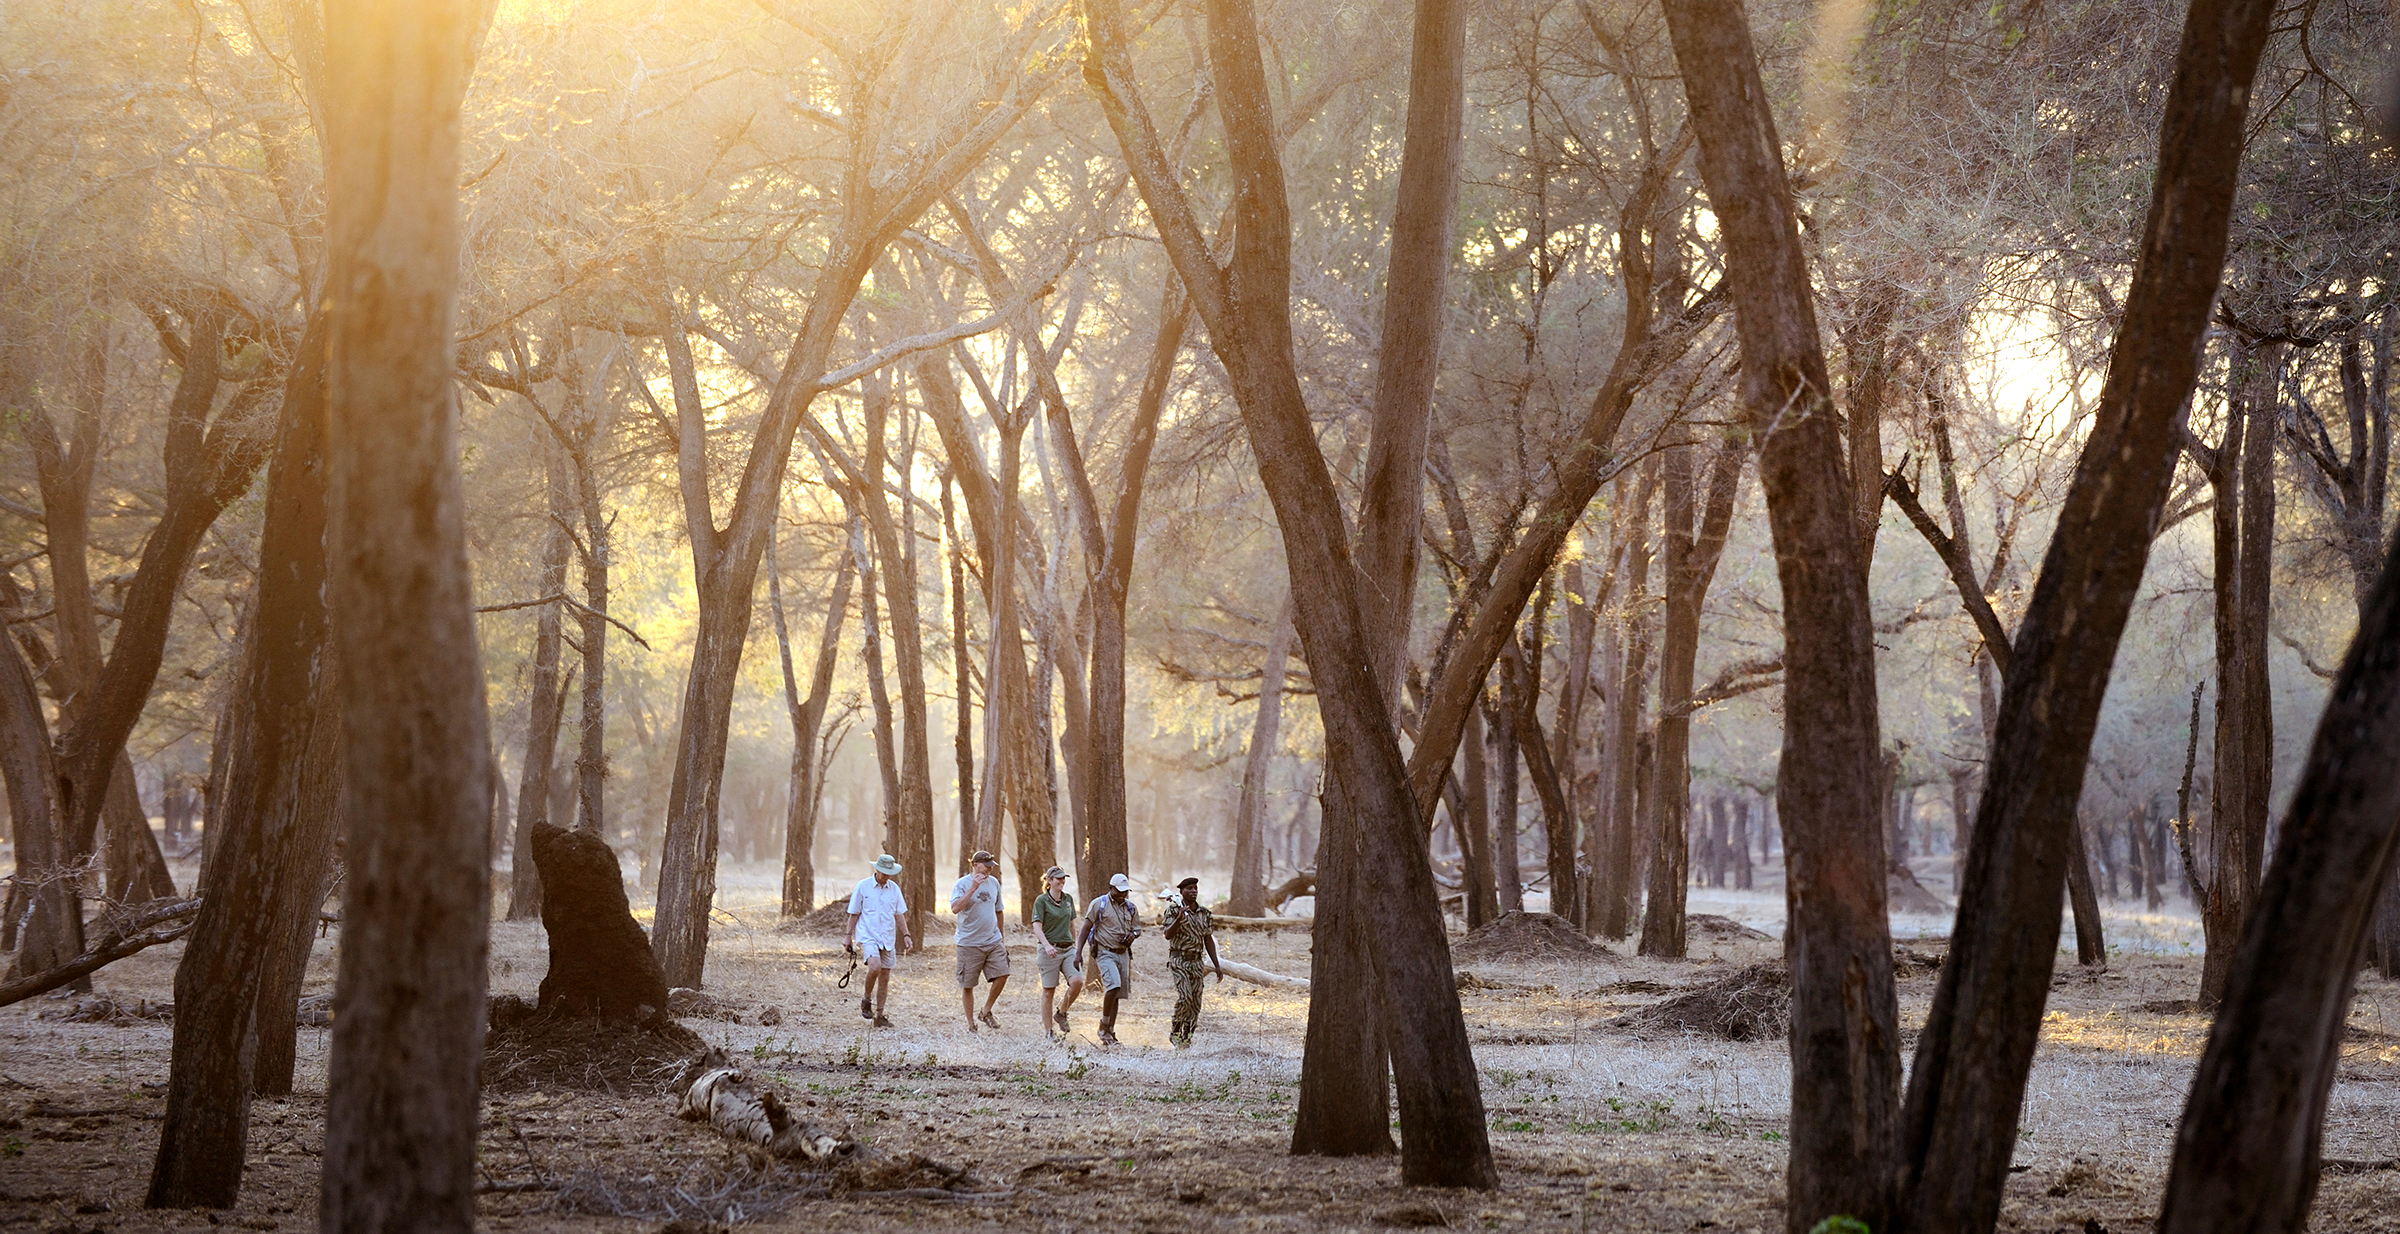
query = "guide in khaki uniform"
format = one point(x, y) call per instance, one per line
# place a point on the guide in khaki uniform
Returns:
point(1109, 929)
point(1190, 931)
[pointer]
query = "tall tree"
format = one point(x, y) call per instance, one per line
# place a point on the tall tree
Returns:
point(401, 1108)
point(1844, 1035)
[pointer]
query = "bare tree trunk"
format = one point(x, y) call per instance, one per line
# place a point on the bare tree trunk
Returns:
point(807, 715)
point(1620, 897)
point(1501, 738)
point(1482, 889)
point(962, 670)
point(401, 1108)
point(870, 625)
point(912, 835)
point(1742, 877)
point(1967, 1088)
point(2091, 948)
point(42, 873)
point(1567, 869)
point(1249, 893)
point(1844, 1035)
point(545, 701)
point(275, 1027)
point(2247, 1152)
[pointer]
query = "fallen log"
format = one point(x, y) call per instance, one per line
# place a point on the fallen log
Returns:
point(1222, 922)
point(722, 1095)
point(1260, 976)
point(140, 930)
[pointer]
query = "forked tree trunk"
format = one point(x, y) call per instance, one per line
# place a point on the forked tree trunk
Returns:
point(1248, 897)
point(1567, 869)
point(1247, 310)
point(1845, 1032)
point(1695, 536)
point(43, 942)
point(1967, 1088)
point(807, 716)
point(2247, 1154)
point(401, 1108)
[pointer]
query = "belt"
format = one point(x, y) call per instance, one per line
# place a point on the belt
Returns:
point(1127, 949)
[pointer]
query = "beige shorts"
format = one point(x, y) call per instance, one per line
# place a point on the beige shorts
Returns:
point(978, 962)
point(1066, 962)
point(875, 955)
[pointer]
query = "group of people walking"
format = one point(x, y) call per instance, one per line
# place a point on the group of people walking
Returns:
point(1108, 928)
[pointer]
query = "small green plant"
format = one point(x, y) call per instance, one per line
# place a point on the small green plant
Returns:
point(758, 1053)
point(1840, 1225)
point(1515, 1124)
point(1771, 1137)
point(932, 1060)
point(12, 1147)
point(1077, 1066)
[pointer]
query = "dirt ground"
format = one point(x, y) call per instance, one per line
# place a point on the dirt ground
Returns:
point(1597, 1125)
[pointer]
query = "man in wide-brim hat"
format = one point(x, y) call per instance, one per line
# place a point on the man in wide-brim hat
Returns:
point(878, 920)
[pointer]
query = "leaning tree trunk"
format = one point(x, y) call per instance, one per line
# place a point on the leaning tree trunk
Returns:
point(1967, 1089)
point(1845, 1031)
point(2091, 947)
point(401, 1108)
point(1248, 897)
point(2247, 1152)
point(43, 943)
point(1482, 890)
point(275, 833)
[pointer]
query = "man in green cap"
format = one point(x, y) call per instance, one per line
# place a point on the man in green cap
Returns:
point(1190, 932)
point(1054, 917)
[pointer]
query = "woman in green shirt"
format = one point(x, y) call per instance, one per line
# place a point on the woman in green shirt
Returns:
point(1054, 919)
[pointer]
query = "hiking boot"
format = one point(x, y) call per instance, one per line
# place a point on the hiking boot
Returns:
point(1183, 1041)
point(988, 1021)
point(866, 1008)
point(1061, 1018)
point(1108, 1036)
point(880, 1022)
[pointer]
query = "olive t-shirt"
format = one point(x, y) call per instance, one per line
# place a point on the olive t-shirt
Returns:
point(1057, 918)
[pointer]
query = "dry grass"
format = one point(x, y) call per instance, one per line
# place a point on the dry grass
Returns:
point(1596, 1128)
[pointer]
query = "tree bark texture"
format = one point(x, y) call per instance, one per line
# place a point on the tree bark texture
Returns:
point(1968, 1085)
point(1500, 736)
point(1483, 886)
point(2241, 472)
point(1444, 1140)
point(401, 1108)
point(1844, 1035)
point(2247, 1153)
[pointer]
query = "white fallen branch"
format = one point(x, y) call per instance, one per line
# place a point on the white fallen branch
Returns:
point(1260, 976)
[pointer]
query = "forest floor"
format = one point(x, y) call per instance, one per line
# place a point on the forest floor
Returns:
point(1597, 1125)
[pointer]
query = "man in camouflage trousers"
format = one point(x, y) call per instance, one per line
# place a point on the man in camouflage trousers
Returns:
point(1189, 930)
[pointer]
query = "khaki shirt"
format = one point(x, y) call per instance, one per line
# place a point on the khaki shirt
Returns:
point(1187, 929)
point(1114, 925)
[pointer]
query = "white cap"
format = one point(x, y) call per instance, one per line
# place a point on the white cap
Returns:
point(1119, 882)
